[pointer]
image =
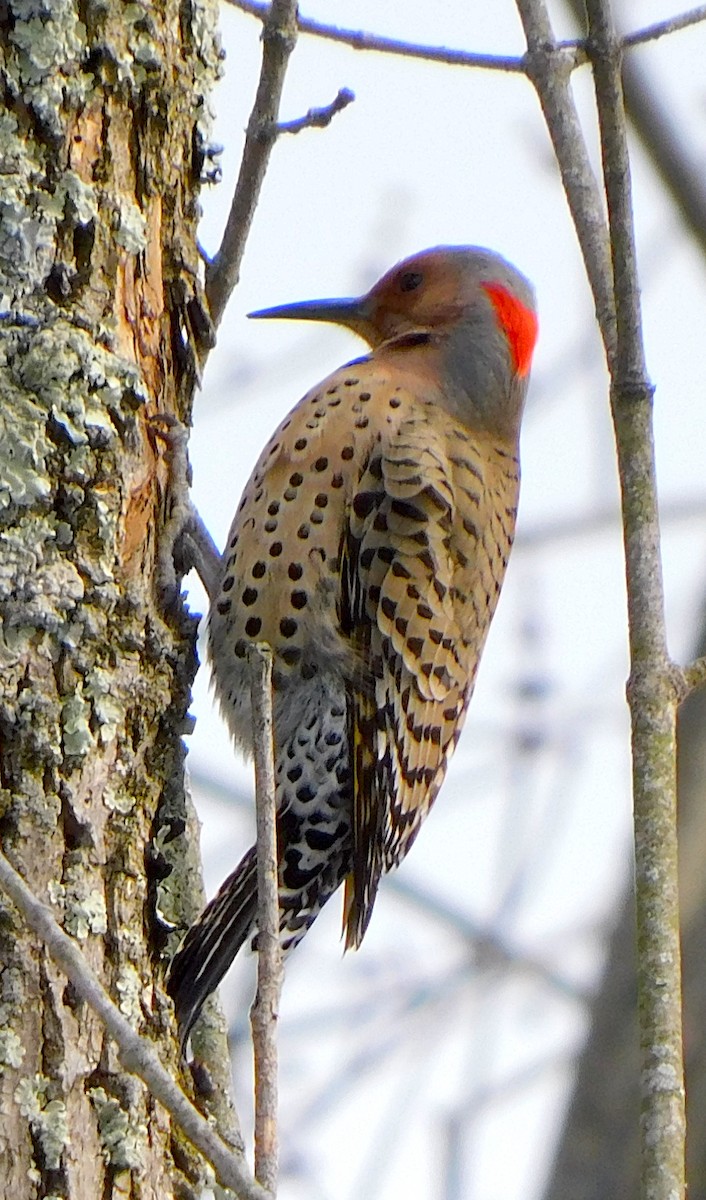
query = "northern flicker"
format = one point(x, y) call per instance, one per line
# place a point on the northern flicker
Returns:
point(368, 550)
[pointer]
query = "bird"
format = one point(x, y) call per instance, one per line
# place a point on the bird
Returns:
point(368, 551)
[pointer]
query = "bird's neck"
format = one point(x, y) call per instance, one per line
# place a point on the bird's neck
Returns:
point(469, 370)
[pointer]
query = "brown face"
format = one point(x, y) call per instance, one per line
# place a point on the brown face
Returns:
point(421, 293)
point(439, 288)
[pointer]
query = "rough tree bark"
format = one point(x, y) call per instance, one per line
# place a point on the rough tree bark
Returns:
point(102, 134)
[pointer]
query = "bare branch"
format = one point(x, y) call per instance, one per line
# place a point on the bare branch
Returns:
point(651, 689)
point(136, 1055)
point(627, 363)
point(360, 40)
point(319, 118)
point(549, 70)
point(279, 37)
point(265, 1009)
point(662, 28)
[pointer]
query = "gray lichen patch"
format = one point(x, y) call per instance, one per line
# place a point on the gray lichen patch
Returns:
point(39, 588)
point(117, 798)
point(79, 383)
point(12, 1051)
point(68, 432)
point(79, 197)
point(180, 894)
point(47, 1118)
point(84, 907)
point(136, 49)
point(108, 711)
point(65, 399)
point(35, 802)
point(50, 46)
point(130, 989)
point(24, 447)
point(76, 724)
point(123, 1139)
point(57, 380)
point(27, 224)
point(42, 74)
point(130, 227)
point(11, 980)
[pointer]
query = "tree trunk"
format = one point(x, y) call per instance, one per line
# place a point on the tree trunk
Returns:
point(106, 104)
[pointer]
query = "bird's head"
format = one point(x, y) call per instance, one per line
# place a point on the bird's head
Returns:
point(473, 309)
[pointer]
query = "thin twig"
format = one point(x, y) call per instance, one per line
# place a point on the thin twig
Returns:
point(279, 37)
point(136, 1055)
point(265, 1010)
point(627, 360)
point(651, 689)
point(318, 118)
point(662, 28)
point(574, 49)
point(360, 40)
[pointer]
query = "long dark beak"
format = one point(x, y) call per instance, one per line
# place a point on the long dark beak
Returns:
point(354, 313)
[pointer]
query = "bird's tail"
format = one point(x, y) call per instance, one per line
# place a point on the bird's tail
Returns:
point(212, 943)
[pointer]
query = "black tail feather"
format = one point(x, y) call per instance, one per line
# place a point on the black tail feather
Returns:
point(212, 943)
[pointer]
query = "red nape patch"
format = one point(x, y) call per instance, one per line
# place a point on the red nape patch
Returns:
point(520, 325)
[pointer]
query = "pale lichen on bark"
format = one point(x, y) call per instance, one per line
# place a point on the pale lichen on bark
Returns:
point(105, 107)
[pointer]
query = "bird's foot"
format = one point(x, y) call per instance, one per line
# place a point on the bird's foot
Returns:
point(184, 542)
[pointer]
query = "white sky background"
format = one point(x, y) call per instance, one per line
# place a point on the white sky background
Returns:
point(530, 835)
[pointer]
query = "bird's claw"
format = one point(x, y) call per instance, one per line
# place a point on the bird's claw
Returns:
point(184, 542)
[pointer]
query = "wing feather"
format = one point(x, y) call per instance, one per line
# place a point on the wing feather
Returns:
point(405, 620)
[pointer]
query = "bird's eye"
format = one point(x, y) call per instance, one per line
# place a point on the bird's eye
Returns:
point(410, 280)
